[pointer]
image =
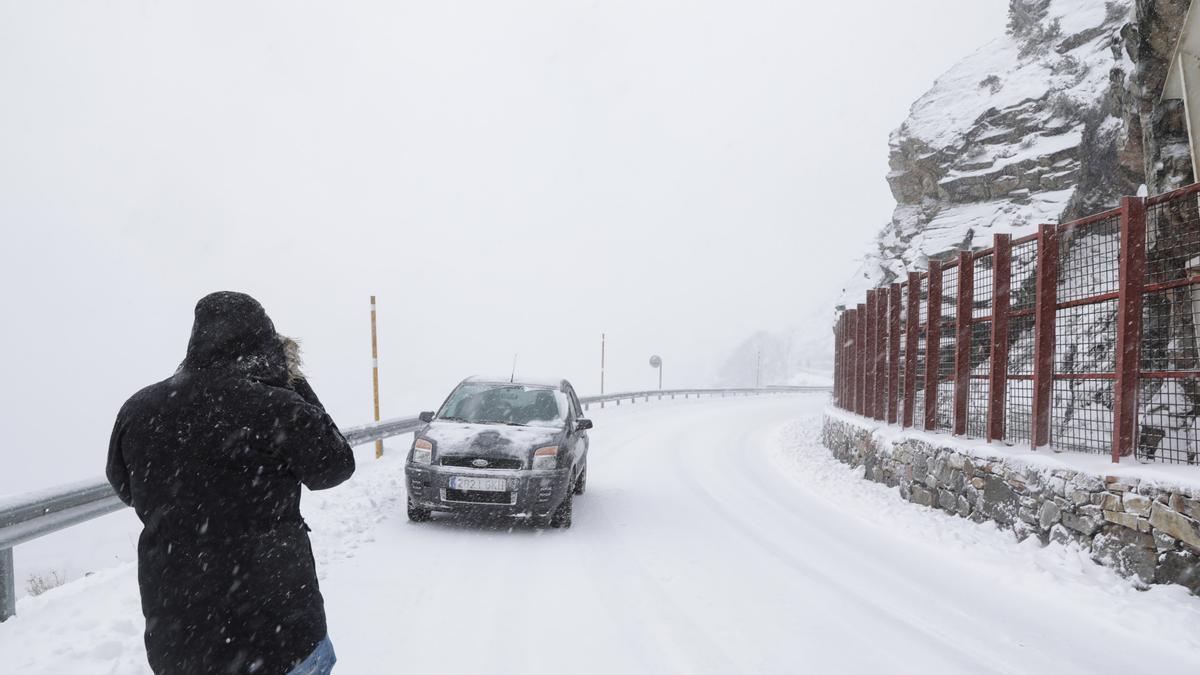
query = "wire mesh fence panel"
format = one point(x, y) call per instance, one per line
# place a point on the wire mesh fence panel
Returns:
point(1084, 372)
point(979, 387)
point(981, 298)
point(1018, 411)
point(1023, 279)
point(1169, 401)
point(1089, 259)
point(924, 298)
point(919, 399)
point(1081, 415)
point(945, 368)
point(900, 360)
point(1018, 403)
point(1169, 429)
point(977, 407)
point(883, 355)
point(981, 341)
point(1081, 308)
point(1085, 339)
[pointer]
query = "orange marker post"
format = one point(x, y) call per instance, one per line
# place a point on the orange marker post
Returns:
point(375, 374)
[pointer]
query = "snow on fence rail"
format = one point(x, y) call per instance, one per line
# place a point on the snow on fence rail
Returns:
point(1084, 335)
point(29, 516)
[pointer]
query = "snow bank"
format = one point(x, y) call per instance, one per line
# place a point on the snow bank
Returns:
point(1142, 521)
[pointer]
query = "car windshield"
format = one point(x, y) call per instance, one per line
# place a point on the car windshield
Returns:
point(483, 403)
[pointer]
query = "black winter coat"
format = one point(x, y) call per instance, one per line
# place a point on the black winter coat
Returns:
point(212, 460)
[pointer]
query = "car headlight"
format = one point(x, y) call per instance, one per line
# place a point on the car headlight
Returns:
point(546, 458)
point(422, 452)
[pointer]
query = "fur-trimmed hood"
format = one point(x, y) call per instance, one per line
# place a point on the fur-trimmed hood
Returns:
point(232, 331)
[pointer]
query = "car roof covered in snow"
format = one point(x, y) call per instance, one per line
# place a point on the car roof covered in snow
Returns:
point(548, 382)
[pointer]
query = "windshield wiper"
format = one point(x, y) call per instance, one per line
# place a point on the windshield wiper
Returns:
point(510, 424)
point(450, 418)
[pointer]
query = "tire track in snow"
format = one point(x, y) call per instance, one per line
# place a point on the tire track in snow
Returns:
point(899, 619)
point(691, 648)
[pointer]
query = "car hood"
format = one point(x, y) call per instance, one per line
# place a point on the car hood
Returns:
point(488, 440)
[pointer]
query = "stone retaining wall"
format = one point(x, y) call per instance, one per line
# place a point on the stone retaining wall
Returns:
point(1140, 528)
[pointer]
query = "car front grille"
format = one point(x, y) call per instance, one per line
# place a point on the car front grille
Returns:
point(477, 496)
point(492, 462)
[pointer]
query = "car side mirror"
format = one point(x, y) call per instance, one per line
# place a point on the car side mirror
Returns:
point(583, 424)
point(426, 417)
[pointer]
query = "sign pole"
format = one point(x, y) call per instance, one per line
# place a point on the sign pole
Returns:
point(602, 343)
point(375, 374)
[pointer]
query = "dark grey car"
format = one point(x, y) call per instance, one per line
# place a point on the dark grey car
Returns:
point(501, 448)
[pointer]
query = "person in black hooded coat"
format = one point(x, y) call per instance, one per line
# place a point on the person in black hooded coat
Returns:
point(212, 460)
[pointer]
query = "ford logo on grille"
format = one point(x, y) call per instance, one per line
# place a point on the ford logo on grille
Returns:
point(480, 463)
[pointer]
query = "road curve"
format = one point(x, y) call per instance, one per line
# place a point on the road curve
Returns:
point(716, 536)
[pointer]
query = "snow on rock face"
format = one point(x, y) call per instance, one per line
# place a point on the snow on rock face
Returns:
point(1003, 140)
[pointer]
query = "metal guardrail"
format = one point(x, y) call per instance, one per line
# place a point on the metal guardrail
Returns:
point(35, 514)
point(633, 396)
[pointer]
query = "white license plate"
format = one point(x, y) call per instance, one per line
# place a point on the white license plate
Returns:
point(478, 484)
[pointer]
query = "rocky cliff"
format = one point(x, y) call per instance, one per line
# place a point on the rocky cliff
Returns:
point(1057, 119)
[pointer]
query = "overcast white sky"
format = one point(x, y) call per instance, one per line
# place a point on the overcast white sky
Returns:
point(505, 176)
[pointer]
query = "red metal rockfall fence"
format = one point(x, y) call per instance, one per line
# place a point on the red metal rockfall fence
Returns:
point(1084, 336)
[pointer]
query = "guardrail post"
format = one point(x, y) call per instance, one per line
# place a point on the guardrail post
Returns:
point(860, 358)
point(1043, 348)
point(893, 403)
point(912, 330)
point(962, 340)
point(881, 365)
point(8, 586)
point(1001, 302)
point(933, 338)
point(1131, 280)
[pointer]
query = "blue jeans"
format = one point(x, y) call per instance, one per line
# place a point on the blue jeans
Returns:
point(319, 662)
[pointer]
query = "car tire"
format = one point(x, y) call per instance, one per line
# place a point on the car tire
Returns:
point(581, 481)
point(417, 514)
point(561, 518)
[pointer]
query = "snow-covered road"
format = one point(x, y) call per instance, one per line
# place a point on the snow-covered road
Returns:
point(716, 536)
